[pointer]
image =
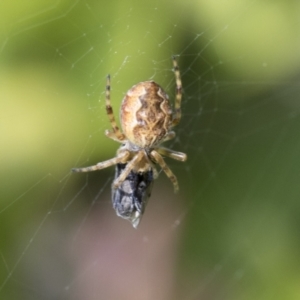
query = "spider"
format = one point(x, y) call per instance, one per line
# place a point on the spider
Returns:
point(146, 119)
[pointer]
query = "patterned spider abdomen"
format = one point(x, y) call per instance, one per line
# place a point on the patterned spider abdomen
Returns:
point(146, 114)
point(131, 197)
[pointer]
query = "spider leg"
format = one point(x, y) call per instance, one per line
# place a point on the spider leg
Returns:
point(172, 154)
point(158, 158)
point(155, 172)
point(130, 166)
point(169, 136)
point(119, 136)
point(121, 158)
point(177, 110)
point(110, 134)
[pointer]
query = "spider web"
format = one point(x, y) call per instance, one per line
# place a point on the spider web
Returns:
point(232, 230)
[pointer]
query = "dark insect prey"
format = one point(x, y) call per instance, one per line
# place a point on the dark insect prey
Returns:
point(131, 197)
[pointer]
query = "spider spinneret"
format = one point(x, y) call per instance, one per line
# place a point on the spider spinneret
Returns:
point(146, 119)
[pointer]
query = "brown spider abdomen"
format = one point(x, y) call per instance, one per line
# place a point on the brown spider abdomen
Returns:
point(146, 114)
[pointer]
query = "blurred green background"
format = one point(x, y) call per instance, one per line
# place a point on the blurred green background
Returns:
point(233, 230)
